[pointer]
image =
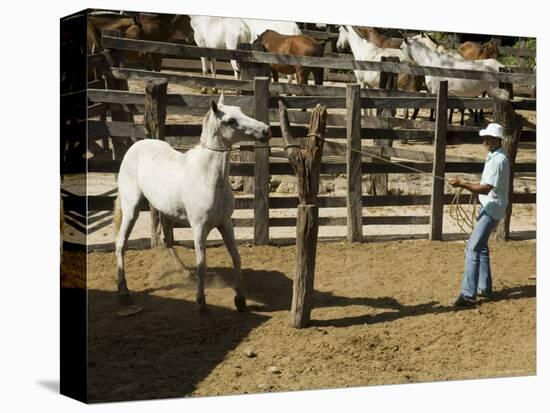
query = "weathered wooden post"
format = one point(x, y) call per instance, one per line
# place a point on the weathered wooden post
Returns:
point(329, 47)
point(509, 87)
point(307, 166)
point(438, 185)
point(250, 70)
point(113, 58)
point(354, 199)
point(505, 115)
point(261, 168)
point(388, 81)
point(155, 118)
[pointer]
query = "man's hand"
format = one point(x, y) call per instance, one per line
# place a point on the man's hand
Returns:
point(456, 183)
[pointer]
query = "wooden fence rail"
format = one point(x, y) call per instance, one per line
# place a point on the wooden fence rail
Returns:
point(185, 51)
point(350, 127)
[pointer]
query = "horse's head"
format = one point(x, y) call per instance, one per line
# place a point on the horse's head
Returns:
point(343, 42)
point(231, 125)
point(490, 51)
point(408, 44)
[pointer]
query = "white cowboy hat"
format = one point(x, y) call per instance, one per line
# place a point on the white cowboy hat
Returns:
point(493, 129)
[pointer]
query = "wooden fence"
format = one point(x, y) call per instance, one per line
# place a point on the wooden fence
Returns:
point(262, 102)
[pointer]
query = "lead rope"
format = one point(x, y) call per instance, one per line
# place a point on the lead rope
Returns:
point(463, 217)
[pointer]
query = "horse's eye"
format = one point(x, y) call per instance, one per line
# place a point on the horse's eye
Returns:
point(232, 121)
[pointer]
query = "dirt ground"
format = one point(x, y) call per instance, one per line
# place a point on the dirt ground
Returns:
point(382, 315)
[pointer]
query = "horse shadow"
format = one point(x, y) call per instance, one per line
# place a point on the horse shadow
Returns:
point(164, 351)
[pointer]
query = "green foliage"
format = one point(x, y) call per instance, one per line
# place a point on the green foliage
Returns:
point(530, 43)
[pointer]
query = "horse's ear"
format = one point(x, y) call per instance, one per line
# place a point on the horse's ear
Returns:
point(213, 106)
point(220, 101)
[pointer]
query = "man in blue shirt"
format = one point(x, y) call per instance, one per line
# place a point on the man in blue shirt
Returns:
point(493, 197)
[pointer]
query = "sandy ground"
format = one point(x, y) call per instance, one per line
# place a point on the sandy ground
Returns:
point(382, 309)
point(382, 315)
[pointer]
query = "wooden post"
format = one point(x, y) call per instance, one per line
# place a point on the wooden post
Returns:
point(155, 118)
point(354, 199)
point(438, 185)
point(261, 169)
point(388, 81)
point(509, 87)
point(307, 165)
point(113, 58)
point(307, 228)
point(330, 46)
point(505, 115)
point(250, 70)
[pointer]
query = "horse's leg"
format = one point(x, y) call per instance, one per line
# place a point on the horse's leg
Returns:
point(129, 216)
point(451, 110)
point(204, 72)
point(168, 230)
point(199, 236)
point(213, 70)
point(235, 66)
point(462, 111)
point(275, 75)
point(415, 113)
point(228, 235)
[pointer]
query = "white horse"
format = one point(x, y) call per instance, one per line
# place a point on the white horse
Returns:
point(362, 49)
point(193, 186)
point(219, 33)
point(428, 42)
point(257, 27)
point(423, 56)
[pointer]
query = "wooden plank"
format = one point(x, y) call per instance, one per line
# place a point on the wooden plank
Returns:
point(97, 109)
point(353, 164)
point(333, 63)
point(192, 101)
point(291, 222)
point(186, 80)
point(438, 171)
point(296, 102)
point(105, 203)
point(222, 67)
point(261, 170)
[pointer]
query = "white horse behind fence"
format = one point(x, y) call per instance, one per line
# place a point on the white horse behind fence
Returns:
point(193, 186)
point(432, 45)
point(362, 49)
point(219, 33)
point(423, 56)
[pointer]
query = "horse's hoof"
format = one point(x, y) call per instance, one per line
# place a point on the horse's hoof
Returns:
point(214, 91)
point(203, 90)
point(240, 303)
point(129, 310)
point(125, 299)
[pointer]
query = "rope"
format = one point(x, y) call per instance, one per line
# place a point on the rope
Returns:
point(464, 217)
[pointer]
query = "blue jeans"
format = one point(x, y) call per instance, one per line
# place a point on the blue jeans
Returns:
point(477, 267)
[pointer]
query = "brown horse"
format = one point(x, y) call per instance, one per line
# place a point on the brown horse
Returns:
point(474, 51)
point(300, 45)
point(161, 28)
point(379, 40)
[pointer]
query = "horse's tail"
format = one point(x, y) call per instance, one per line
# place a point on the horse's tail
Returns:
point(117, 215)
